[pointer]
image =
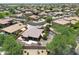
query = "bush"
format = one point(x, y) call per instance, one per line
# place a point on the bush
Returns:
point(48, 19)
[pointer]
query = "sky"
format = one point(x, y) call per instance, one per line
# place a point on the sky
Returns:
point(39, 1)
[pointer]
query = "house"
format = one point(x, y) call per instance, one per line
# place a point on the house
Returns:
point(34, 17)
point(30, 42)
point(28, 9)
point(61, 21)
point(57, 13)
point(35, 11)
point(34, 50)
point(17, 15)
point(47, 11)
point(32, 34)
point(73, 19)
point(17, 11)
point(36, 24)
point(42, 14)
point(20, 20)
point(67, 20)
point(6, 22)
point(28, 13)
point(13, 28)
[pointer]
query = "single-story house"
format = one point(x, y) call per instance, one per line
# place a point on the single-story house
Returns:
point(34, 17)
point(73, 20)
point(13, 28)
point(17, 15)
point(36, 24)
point(58, 13)
point(32, 34)
point(27, 13)
point(6, 22)
point(61, 21)
point(67, 20)
point(17, 11)
point(47, 11)
point(42, 14)
point(35, 11)
point(20, 20)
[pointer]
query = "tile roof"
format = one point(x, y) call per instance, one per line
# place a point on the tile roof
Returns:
point(13, 28)
point(5, 21)
point(32, 32)
point(61, 21)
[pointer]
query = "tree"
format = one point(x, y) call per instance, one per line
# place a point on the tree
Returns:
point(57, 45)
point(12, 10)
point(77, 12)
point(2, 15)
point(2, 38)
point(76, 26)
point(11, 46)
point(63, 43)
point(46, 31)
point(48, 19)
point(7, 13)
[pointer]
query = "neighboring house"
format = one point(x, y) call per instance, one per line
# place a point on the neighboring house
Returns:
point(17, 15)
point(14, 28)
point(36, 24)
point(67, 20)
point(17, 12)
point(73, 19)
point(34, 50)
point(28, 13)
point(57, 13)
point(34, 17)
point(20, 20)
point(6, 22)
point(47, 11)
point(61, 21)
point(42, 14)
point(35, 11)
